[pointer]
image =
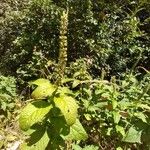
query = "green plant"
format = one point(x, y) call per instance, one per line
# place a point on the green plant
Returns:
point(115, 112)
point(52, 117)
point(109, 35)
point(87, 50)
point(7, 93)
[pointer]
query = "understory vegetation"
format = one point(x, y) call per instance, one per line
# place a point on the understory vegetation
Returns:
point(75, 75)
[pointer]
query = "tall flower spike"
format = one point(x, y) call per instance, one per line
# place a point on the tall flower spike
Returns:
point(62, 60)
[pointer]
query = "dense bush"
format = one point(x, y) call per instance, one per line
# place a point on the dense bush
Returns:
point(95, 56)
point(111, 36)
point(7, 93)
point(115, 112)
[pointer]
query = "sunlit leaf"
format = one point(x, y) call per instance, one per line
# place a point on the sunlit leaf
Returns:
point(120, 129)
point(68, 107)
point(33, 113)
point(114, 104)
point(119, 148)
point(42, 92)
point(133, 136)
point(44, 89)
point(75, 83)
point(116, 117)
point(77, 132)
point(141, 116)
point(40, 82)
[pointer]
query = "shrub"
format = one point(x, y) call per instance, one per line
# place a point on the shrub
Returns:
point(110, 36)
point(116, 113)
point(8, 96)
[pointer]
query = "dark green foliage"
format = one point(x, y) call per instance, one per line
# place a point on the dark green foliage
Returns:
point(7, 93)
point(115, 112)
point(110, 36)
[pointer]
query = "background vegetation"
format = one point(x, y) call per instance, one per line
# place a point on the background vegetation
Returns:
point(101, 56)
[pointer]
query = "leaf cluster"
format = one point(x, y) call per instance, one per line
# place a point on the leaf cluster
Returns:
point(52, 117)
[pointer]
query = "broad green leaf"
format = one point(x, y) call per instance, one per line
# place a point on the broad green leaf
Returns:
point(42, 92)
point(75, 83)
point(40, 82)
point(101, 104)
point(44, 89)
point(124, 104)
point(33, 113)
point(41, 144)
point(88, 91)
point(86, 103)
point(76, 74)
point(77, 132)
point(124, 83)
point(133, 136)
point(120, 129)
point(59, 127)
point(64, 91)
point(116, 117)
point(141, 116)
point(114, 104)
point(68, 107)
point(104, 95)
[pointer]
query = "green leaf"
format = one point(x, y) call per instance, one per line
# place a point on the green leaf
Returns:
point(65, 80)
point(77, 132)
point(40, 82)
point(76, 147)
point(44, 89)
point(2, 142)
point(42, 92)
point(119, 148)
point(41, 144)
point(120, 129)
point(75, 83)
point(133, 136)
point(76, 74)
point(143, 106)
point(68, 107)
point(124, 104)
point(59, 127)
point(64, 91)
point(87, 116)
point(116, 117)
point(33, 113)
point(109, 131)
point(114, 104)
point(141, 116)
point(91, 147)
